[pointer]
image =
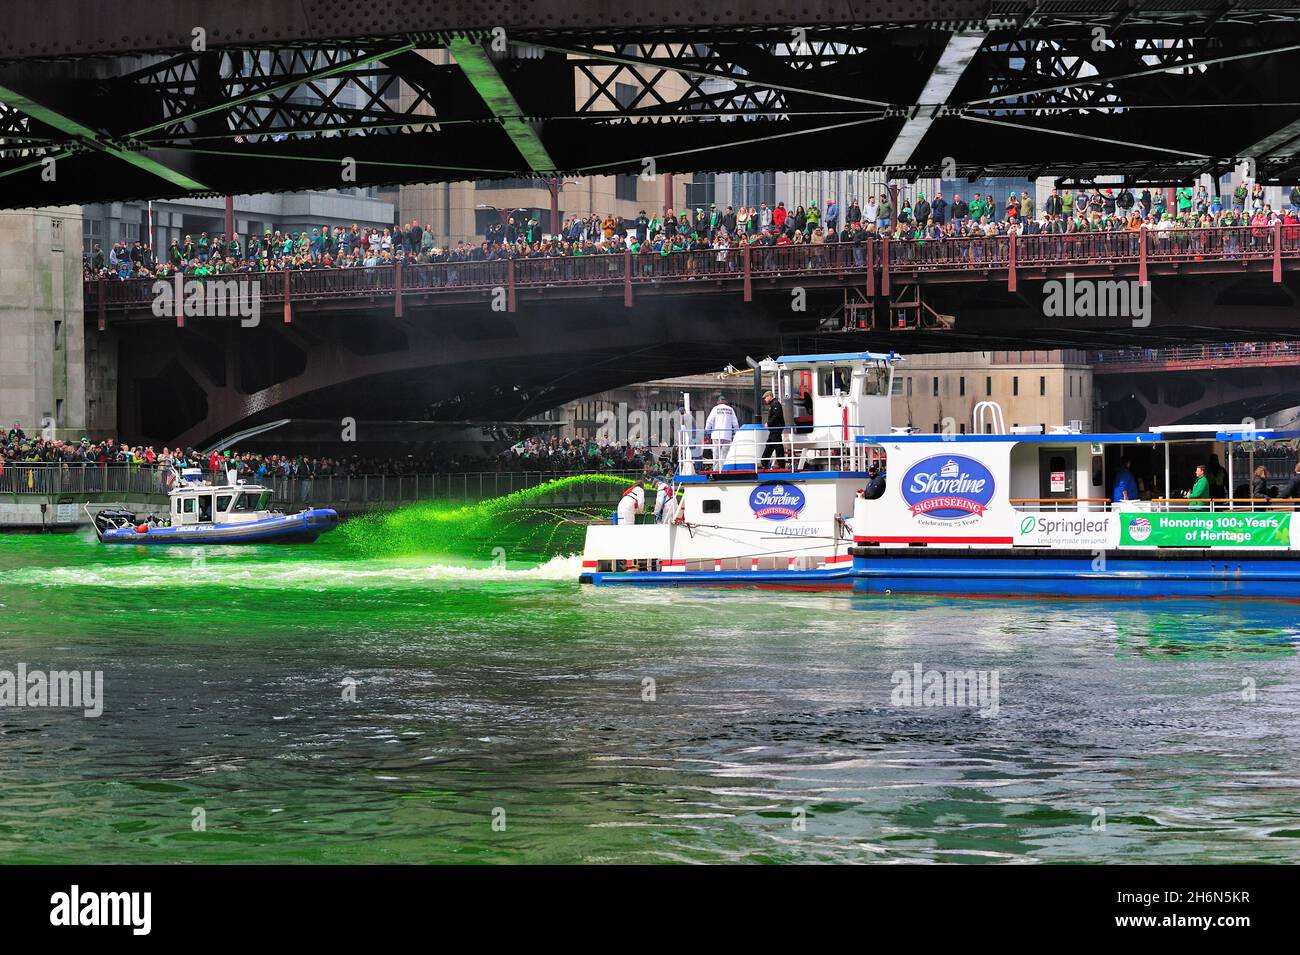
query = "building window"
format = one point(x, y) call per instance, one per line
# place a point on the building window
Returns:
point(988, 385)
point(1071, 386)
point(701, 191)
point(516, 183)
point(751, 189)
point(936, 386)
point(961, 385)
point(625, 187)
point(962, 427)
point(909, 387)
point(92, 232)
point(1042, 384)
point(1015, 385)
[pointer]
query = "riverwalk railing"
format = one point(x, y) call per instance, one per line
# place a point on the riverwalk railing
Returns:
point(361, 490)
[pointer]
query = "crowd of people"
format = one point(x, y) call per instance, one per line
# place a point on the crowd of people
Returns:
point(532, 454)
point(898, 215)
point(576, 455)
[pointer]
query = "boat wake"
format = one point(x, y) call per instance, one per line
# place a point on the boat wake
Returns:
point(306, 574)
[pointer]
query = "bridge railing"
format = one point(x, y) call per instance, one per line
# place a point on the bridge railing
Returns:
point(74, 479)
point(1242, 353)
point(1126, 250)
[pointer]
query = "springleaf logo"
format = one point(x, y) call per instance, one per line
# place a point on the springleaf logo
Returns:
point(1027, 524)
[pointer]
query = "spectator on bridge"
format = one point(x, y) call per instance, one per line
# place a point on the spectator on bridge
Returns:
point(884, 210)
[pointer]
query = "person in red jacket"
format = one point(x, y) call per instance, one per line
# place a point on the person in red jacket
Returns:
point(778, 216)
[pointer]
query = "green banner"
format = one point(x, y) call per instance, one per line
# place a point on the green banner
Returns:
point(1189, 529)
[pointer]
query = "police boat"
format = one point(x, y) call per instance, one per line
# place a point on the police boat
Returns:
point(202, 513)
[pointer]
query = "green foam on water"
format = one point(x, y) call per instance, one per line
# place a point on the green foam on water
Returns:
point(522, 521)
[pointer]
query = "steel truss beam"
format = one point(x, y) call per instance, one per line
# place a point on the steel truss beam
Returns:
point(1163, 96)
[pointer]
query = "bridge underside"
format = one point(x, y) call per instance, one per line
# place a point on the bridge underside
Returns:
point(466, 362)
point(1135, 402)
point(188, 99)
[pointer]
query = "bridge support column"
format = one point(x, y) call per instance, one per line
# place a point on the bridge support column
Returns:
point(179, 295)
point(884, 266)
point(397, 289)
point(510, 285)
point(103, 305)
point(1277, 251)
point(1011, 262)
point(1142, 257)
point(627, 278)
point(871, 274)
point(288, 304)
point(744, 258)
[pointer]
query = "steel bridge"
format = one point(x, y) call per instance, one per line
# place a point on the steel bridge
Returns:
point(146, 99)
point(507, 339)
point(886, 287)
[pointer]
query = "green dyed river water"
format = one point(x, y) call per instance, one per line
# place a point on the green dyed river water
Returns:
point(490, 686)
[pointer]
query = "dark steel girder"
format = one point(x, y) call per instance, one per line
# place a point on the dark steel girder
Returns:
point(1159, 99)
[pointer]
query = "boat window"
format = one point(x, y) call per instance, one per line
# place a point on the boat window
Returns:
point(832, 381)
point(205, 507)
point(713, 506)
point(176, 505)
point(876, 381)
point(189, 505)
point(223, 502)
point(246, 503)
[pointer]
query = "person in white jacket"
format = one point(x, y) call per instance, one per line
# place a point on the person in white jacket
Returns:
point(631, 504)
point(720, 429)
point(663, 494)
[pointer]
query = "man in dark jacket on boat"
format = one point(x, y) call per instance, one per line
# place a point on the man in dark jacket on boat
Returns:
point(1292, 490)
point(875, 485)
point(775, 431)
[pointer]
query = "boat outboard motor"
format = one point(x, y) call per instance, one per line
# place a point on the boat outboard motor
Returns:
point(113, 517)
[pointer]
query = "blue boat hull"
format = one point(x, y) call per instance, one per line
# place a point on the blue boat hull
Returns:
point(1203, 573)
point(839, 578)
point(301, 528)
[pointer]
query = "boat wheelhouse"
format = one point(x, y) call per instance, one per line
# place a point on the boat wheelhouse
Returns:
point(771, 507)
point(1022, 514)
point(203, 513)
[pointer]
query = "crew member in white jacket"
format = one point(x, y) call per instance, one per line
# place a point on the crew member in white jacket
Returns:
point(663, 494)
point(631, 504)
point(721, 428)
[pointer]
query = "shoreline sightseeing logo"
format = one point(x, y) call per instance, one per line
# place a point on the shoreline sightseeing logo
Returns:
point(776, 502)
point(948, 488)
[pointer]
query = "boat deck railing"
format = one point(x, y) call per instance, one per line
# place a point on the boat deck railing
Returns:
point(803, 446)
point(1076, 505)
